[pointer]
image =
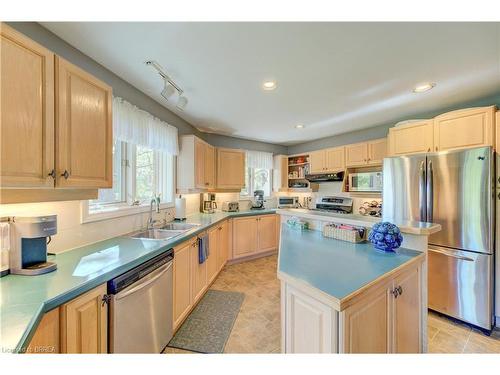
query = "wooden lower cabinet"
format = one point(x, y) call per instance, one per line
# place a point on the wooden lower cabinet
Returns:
point(254, 234)
point(46, 339)
point(199, 279)
point(212, 266)
point(374, 321)
point(223, 249)
point(183, 299)
point(84, 323)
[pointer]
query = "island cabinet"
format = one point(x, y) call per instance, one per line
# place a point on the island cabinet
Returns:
point(46, 339)
point(384, 317)
point(230, 169)
point(56, 125)
point(254, 234)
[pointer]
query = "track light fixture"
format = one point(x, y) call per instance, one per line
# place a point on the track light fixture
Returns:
point(170, 87)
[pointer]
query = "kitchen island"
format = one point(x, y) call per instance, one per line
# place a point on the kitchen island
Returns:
point(341, 297)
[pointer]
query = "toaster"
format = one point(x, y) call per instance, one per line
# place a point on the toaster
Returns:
point(230, 206)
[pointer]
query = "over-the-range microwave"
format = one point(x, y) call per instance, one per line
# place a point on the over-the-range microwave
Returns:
point(365, 181)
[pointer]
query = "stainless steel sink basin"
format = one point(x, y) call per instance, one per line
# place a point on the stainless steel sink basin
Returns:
point(157, 234)
point(179, 226)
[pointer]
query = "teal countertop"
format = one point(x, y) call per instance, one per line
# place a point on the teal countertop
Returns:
point(337, 268)
point(24, 299)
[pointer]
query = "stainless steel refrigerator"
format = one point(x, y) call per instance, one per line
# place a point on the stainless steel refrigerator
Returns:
point(454, 189)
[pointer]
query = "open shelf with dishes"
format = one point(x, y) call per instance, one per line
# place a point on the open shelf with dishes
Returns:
point(298, 168)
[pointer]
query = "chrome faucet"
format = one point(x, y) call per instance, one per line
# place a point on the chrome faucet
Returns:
point(156, 201)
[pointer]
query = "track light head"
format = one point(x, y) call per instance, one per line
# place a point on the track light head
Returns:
point(182, 103)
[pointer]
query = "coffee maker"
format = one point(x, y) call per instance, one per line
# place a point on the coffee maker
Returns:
point(208, 203)
point(29, 238)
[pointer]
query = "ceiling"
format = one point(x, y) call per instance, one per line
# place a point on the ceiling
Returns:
point(331, 77)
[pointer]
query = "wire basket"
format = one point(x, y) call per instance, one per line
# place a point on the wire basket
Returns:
point(345, 232)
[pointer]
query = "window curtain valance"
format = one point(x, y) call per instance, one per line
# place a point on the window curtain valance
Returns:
point(259, 159)
point(134, 125)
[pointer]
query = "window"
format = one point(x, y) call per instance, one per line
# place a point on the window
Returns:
point(139, 173)
point(257, 179)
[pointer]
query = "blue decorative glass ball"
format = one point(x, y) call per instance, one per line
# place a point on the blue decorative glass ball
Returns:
point(385, 236)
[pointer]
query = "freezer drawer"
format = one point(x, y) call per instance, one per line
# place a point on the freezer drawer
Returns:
point(461, 285)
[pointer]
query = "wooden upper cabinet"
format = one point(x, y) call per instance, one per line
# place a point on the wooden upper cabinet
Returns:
point(356, 155)
point(84, 129)
point(209, 166)
point(27, 111)
point(334, 158)
point(473, 127)
point(199, 164)
point(317, 162)
point(377, 151)
point(280, 173)
point(84, 323)
point(230, 168)
point(413, 138)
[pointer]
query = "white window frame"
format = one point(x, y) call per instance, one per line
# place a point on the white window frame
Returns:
point(128, 207)
point(251, 187)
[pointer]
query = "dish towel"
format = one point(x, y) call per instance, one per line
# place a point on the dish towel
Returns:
point(203, 249)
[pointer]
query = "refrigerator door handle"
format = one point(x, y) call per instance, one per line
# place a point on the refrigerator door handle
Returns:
point(422, 192)
point(450, 254)
point(430, 192)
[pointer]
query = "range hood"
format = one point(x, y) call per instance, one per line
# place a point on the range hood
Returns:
point(325, 177)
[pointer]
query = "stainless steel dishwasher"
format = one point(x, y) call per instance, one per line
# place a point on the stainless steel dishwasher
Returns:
point(141, 304)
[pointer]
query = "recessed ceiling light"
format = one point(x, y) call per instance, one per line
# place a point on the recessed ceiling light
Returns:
point(269, 85)
point(299, 126)
point(423, 87)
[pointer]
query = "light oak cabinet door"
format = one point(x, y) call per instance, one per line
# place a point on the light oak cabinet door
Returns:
point(47, 335)
point(209, 166)
point(222, 254)
point(367, 324)
point(230, 168)
point(198, 274)
point(214, 244)
point(317, 162)
point(412, 138)
point(267, 233)
point(311, 326)
point(356, 154)
point(407, 315)
point(377, 151)
point(84, 129)
point(245, 236)
point(199, 164)
point(465, 128)
point(84, 323)
point(183, 300)
point(335, 160)
point(27, 111)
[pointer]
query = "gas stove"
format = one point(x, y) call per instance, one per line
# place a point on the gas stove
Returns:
point(337, 205)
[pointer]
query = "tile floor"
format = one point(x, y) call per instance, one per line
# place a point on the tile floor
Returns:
point(257, 328)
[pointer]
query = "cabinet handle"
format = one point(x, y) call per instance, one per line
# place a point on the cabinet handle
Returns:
point(52, 174)
point(436, 148)
point(499, 180)
point(105, 299)
point(395, 292)
point(429, 149)
point(65, 174)
point(400, 290)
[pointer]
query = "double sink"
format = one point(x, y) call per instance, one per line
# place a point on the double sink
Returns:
point(165, 232)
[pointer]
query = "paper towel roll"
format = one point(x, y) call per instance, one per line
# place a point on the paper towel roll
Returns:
point(180, 208)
